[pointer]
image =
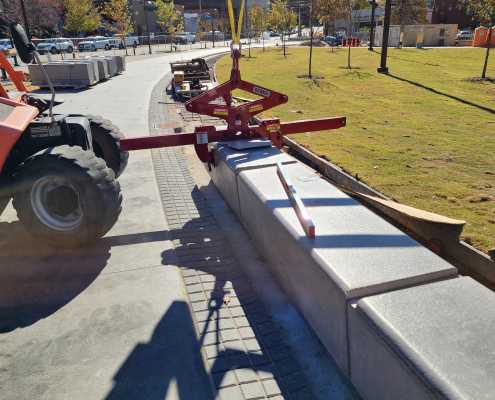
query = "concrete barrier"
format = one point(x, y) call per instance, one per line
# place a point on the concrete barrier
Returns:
point(434, 341)
point(113, 64)
point(355, 253)
point(77, 73)
point(103, 72)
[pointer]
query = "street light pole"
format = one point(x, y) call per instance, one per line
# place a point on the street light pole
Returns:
point(212, 14)
point(26, 23)
point(146, 6)
point(310, 76)
point(383, 69)
point(373, 4)
point(299, 33)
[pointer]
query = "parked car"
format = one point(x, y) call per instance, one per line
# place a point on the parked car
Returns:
point(219, 36)
point(333, 40)
point(129, 41)
point(464, 35)
point(5, 44)
point(93, 43)
point(274, 34)
point(114, 43)
point(185, 38)
point(55, 46)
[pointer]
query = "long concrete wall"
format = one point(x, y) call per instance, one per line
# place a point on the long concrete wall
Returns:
point(355, 260)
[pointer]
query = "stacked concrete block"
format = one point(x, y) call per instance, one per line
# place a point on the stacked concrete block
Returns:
point(120, 61)
point(78, 73)
point(113, 68)
point(379, 301)
point(64, 74)
point(103, 72)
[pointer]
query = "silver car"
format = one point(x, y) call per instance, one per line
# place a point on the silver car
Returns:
point(94, 43)
point(55, 45)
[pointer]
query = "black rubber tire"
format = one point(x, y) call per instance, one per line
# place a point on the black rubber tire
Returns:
point(70, 49)
point(53, 50)
point(98, 194)
point(106, 143)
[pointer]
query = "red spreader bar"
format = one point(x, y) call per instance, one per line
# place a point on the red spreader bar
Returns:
point(297, 204)
point(271, 129)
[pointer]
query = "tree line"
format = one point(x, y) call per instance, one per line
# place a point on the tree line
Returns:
point(48, 18)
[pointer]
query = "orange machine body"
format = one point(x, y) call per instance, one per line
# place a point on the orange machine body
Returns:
point(17, 77)
point(15, 116)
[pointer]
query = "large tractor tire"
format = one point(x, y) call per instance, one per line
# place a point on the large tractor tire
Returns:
point(106, 143)
point(66, 196)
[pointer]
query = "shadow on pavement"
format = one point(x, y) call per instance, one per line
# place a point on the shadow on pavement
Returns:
point(36, 280)
point(171, 358)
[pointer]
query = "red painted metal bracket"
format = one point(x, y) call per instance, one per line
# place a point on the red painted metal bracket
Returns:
point(237, 117)
point(17, 77)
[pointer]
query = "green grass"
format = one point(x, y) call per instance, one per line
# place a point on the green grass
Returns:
point(415, 137)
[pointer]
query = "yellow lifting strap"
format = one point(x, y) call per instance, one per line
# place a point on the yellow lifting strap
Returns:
point(236, 33)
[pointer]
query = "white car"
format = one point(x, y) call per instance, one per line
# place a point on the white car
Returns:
point(94, 43)
point(185, 38)
point(55, 45)
point(129, 41)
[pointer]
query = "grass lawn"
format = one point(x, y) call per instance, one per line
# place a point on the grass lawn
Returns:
point(424, 135)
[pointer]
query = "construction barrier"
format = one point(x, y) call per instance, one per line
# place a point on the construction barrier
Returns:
point(481, 37)
point(351, 42)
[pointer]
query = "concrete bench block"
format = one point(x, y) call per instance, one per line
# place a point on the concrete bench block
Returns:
point(113, 66)
point(101, 68)
point(434, 341)
point(229, 162)
point(121, 63)
point(355, 253)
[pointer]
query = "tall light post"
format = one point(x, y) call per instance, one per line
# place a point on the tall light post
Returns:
point(26, 23)
point(148, 5)
point(373, 4)
point(310, 75)
point(383, 69)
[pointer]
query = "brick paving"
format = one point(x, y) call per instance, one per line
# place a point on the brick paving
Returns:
point(243, 348)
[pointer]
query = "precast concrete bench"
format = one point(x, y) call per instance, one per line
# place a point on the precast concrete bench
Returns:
point(355, 254)
point(434, 341)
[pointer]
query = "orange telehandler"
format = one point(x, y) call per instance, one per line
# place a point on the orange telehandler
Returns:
point(60, 170)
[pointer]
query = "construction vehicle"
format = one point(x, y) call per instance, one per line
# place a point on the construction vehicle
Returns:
point(60, 170)
point(190, 78)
